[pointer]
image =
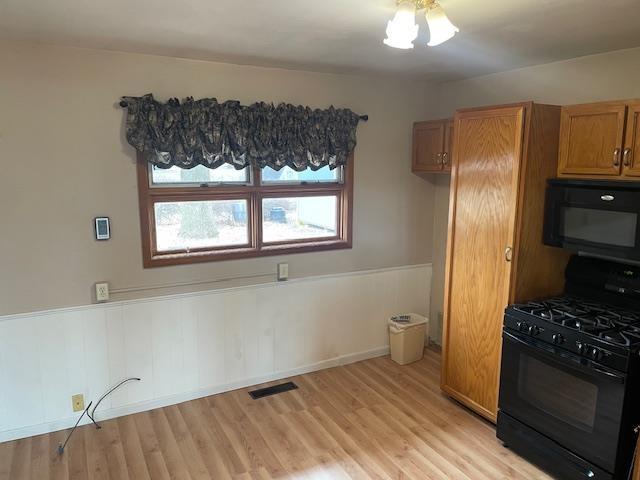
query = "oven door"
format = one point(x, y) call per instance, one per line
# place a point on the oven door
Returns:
point(594, 219)
point(569, 399)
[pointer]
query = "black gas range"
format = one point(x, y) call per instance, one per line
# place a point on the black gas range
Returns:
point(570, 378)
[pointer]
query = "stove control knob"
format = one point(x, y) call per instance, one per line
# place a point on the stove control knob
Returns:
point(595, 354)
point(522, 326)
point(557, 339)
point(582, 348)
point(533, 330)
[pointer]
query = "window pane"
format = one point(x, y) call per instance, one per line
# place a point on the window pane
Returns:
point(296, 218)
point(289, 175)
point(190, 225)
point(199, 175)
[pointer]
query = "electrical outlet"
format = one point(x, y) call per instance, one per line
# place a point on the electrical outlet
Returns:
point(283, 272)
point(78, 402)
point(102, 292)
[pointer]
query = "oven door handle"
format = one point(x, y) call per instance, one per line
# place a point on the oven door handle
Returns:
point(575, 361)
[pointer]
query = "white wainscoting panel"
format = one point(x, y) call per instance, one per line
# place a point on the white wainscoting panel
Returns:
point(192, 345)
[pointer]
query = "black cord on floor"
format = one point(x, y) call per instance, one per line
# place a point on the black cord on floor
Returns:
point(62, 446)
point(91, 415)
point(93, 412)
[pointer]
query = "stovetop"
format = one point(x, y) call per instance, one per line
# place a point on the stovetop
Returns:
point(596, 331)
point(614, 325)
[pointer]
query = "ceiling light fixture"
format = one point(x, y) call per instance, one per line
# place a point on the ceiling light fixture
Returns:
point(403, 30)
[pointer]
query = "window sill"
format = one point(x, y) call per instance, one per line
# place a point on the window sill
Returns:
point(167, 259)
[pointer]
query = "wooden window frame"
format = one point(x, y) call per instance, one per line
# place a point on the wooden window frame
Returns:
point(254, 193)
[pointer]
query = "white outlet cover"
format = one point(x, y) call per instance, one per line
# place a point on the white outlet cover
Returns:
point(102, 292)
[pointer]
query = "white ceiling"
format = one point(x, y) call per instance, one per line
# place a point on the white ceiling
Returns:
point(332, 35)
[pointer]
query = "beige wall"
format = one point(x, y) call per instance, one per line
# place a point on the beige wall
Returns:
point(608, 76)
point(593, 78)
point(64, 161)
point(440, 225)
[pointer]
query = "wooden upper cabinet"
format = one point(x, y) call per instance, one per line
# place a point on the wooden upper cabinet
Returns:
point(429, 146)
point(591, 139)
point(631, 151)
point(447, 156)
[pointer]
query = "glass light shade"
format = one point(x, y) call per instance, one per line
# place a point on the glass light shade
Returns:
point(440, 27)
point(402, 30)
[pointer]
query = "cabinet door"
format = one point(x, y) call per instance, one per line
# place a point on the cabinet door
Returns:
point(591, 138)
point(428, 146)
point(484, 188)
point(447, 156)
point(631, 152)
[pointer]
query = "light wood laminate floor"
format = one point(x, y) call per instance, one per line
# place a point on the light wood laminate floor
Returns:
point(372, 419)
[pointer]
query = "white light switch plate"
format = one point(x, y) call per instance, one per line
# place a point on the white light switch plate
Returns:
point(102, 292)
point(283, 272)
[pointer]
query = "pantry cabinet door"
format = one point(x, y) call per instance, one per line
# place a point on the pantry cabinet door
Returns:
point(484, 192)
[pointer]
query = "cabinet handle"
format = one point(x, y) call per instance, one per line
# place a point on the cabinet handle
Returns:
point(626, 157)
point(445, 155)
point(440, 160)
point(616, 157)
point(508, 254)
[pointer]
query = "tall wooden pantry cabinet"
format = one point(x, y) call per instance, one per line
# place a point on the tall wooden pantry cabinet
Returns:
point(502, 157)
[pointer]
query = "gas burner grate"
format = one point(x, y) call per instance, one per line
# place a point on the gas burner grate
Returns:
point(612, 324)
point(620, 337)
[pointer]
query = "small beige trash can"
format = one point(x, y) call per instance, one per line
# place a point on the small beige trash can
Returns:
point(407, 335)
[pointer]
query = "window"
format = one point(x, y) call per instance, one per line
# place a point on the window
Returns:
point(204, 214)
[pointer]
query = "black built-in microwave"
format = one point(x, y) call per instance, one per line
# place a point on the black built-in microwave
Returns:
point(594, 217)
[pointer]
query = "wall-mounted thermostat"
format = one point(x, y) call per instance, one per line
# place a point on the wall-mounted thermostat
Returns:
point(103, 231)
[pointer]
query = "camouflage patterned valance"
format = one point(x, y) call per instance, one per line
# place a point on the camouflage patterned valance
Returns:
point(205, 132)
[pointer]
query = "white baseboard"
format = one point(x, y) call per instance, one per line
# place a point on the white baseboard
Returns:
point(68, 422)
